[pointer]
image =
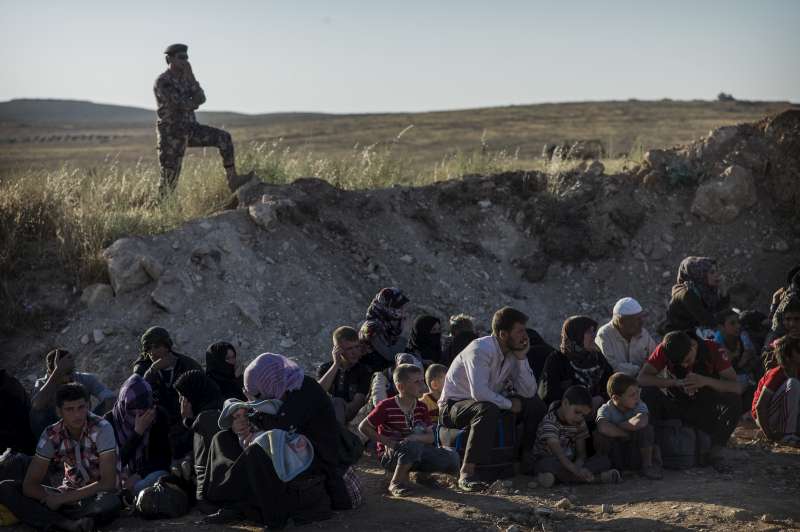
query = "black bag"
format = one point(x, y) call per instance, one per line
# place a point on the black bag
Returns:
point(162, 499)
point(501, 459)
point(682, 447)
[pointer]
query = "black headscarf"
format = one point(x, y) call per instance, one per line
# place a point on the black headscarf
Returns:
point(224, 374)
point(202, 392)
point(589, 366)
point(422, 342)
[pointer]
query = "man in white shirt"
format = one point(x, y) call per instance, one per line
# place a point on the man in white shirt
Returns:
point(490, 375)
point(624, 341)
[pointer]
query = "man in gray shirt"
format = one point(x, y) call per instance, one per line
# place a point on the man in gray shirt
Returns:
point(491, 375)
point(61, 370)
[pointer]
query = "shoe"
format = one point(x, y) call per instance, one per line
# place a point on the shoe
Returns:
point(428, 480)
point(399, 490)
point(546, 480)
point(471, 484)
point(612, 476)
point(236, 182)
point(222, 517)
point(652, 472)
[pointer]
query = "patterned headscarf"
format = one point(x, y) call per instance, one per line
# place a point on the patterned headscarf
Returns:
point(587, 365)
point(384, 316)
point(270, 376)
point(135, 394)
point(693, 272)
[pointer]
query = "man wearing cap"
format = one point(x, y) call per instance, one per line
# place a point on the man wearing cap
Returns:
point(178, 95)
point(624, 341)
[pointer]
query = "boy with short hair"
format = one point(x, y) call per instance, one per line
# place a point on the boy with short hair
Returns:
point(434, 378)
point(776, 402)
point(402, 429)
point(560, 449)
point(86, 447)
point(623, 427)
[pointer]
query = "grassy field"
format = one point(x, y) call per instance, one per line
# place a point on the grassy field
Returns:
point(68, 190)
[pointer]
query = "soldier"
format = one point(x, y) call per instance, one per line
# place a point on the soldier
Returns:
point(178, 94)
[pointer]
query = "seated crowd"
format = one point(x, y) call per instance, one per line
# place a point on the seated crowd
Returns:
point(267, 443)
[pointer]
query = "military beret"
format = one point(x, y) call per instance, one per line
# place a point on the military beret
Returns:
point(176, 49)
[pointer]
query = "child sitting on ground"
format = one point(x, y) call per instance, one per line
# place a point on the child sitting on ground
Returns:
point(402, 429)
point(776, 402)
point(623, 428)
point(434, 378)
point(738, 347)
point(560, 449)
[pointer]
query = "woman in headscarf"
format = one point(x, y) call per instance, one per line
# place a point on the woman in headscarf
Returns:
point(383, 328)
point(221, 368)
point(200, 403)
point(142, 433)
point(695, 296)
point(244, 481)
point(426, 339)
point(578, 361)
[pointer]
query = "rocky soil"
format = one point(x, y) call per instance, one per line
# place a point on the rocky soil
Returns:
point(285, 265)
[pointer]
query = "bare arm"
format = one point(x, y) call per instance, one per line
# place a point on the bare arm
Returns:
point(326, 381)
point(648, 376)
point(762, 413)
point(366, 428)
point(32, 484)
point(606, 428)
point(726, 383)
point(555, 448)
point(107, 482)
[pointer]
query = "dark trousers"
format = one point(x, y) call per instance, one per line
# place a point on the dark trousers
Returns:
point(103, 507)
point(421, 457)
point(550, 464)
point(713, 412)
point(625, 453)
point(481, 418)
point(172, 144)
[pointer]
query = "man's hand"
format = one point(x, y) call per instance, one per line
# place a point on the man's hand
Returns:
point(146, 418)
point(54, 500)
point(521, 354)
point(694, 382)
point(516, 405)
point(161, 363)
point(187, 71)
point(337, 354)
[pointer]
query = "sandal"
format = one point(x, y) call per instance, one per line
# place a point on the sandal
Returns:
point(612, 476)
point(471, 484)
point(398, 490)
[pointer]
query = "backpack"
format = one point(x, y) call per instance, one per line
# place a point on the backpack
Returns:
point(682, 447)
point(162, 499)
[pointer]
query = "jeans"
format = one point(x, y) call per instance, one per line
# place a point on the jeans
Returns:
point(148, 481)
point(103, 507)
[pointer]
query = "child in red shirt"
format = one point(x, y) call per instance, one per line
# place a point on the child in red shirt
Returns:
point(776, 402)
point(402, 428)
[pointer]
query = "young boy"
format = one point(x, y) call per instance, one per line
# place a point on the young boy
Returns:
point(434, 378)
point(84, 444)
point(737, 346)
point(560, 448)
point(402, 429)
point(623, 427)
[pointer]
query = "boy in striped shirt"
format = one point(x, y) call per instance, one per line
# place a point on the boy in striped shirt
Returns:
point(402, 429)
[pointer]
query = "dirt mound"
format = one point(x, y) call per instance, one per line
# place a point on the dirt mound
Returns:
point(290, 263)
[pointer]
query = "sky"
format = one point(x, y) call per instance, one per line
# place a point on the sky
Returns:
point(376, 56)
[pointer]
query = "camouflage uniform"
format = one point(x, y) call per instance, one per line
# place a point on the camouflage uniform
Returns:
point(177, 127)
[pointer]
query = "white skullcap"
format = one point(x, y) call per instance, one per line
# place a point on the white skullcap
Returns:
point(627, 306)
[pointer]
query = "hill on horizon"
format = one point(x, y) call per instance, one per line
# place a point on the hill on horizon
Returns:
point(46, 111)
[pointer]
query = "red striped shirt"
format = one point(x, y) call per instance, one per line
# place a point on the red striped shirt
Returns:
point(390, 421)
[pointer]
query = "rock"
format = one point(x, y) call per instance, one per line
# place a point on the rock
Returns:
point(98, 336)
point(485, 204)
point(721, 201)
point(659, 252)
point(668, 238)
point(780, 246)
point(408, 259)
point(564, 504)
point(85, 339)
point(514, 528)
point(250, 311)
point(543, 511)
point(606, 509)
point(287, 342)
point(595, 169)
point(534, 267)
point(129, 265)
point(508, 483)
point(97, 295)
point(171, 291)
point(532, 485)
point(263, 214)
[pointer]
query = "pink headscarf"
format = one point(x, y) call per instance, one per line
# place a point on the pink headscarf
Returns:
point(270, 376)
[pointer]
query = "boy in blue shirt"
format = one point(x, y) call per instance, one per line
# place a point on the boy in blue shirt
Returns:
point(623, 428)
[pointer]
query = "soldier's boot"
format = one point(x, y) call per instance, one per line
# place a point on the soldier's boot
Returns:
point(235, 181)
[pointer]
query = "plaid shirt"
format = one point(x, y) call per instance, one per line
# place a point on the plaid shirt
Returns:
point(81, 457)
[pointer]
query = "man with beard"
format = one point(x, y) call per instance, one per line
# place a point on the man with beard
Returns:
point(491, 375)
